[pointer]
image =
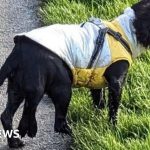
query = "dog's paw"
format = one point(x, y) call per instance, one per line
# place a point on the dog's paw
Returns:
point(15, 143)
point(63, 128)
point(32, 129)
point(23, 128)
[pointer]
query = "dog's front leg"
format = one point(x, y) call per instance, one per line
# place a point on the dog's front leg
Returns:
point(98, 98)
point(115, 90)
point(115, 76)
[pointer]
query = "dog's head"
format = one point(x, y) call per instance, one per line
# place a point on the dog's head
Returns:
point(142, 22)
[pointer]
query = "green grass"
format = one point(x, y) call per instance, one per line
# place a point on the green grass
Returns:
point(90, 127)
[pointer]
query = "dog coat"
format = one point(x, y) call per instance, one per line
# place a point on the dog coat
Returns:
point(75, 44)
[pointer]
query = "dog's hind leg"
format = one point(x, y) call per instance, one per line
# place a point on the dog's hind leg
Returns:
point(115, 76)
point(14, 101)
point(61, 98)
point(28, 124)
point(98, 98)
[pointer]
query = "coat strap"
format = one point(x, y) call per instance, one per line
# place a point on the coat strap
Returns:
point(98, 46)
point(119, 38)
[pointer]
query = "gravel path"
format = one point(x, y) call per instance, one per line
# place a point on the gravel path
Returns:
point(18, 16)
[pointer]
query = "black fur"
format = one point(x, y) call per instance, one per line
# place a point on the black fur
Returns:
point(32, 71)
point(142, 23)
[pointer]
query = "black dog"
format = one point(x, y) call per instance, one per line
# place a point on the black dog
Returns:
point(33, 70)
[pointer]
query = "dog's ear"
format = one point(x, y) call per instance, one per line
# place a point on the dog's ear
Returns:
point(142, 22)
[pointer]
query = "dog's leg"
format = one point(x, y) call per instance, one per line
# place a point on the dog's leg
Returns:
point(115, 90)
point(28, 124)
point(14, 100)
point(115, 76)
point(97, 95)
point(61, 99)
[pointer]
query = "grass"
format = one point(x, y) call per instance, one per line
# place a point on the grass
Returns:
point(90, 127)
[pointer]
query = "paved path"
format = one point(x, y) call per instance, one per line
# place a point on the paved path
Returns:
point(18, 16)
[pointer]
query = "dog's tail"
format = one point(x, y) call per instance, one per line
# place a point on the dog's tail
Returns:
point(10, 64)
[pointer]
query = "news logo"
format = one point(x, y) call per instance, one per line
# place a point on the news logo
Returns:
point(9, 133)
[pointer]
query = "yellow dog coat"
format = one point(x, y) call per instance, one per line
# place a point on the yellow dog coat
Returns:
point(75, 45)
